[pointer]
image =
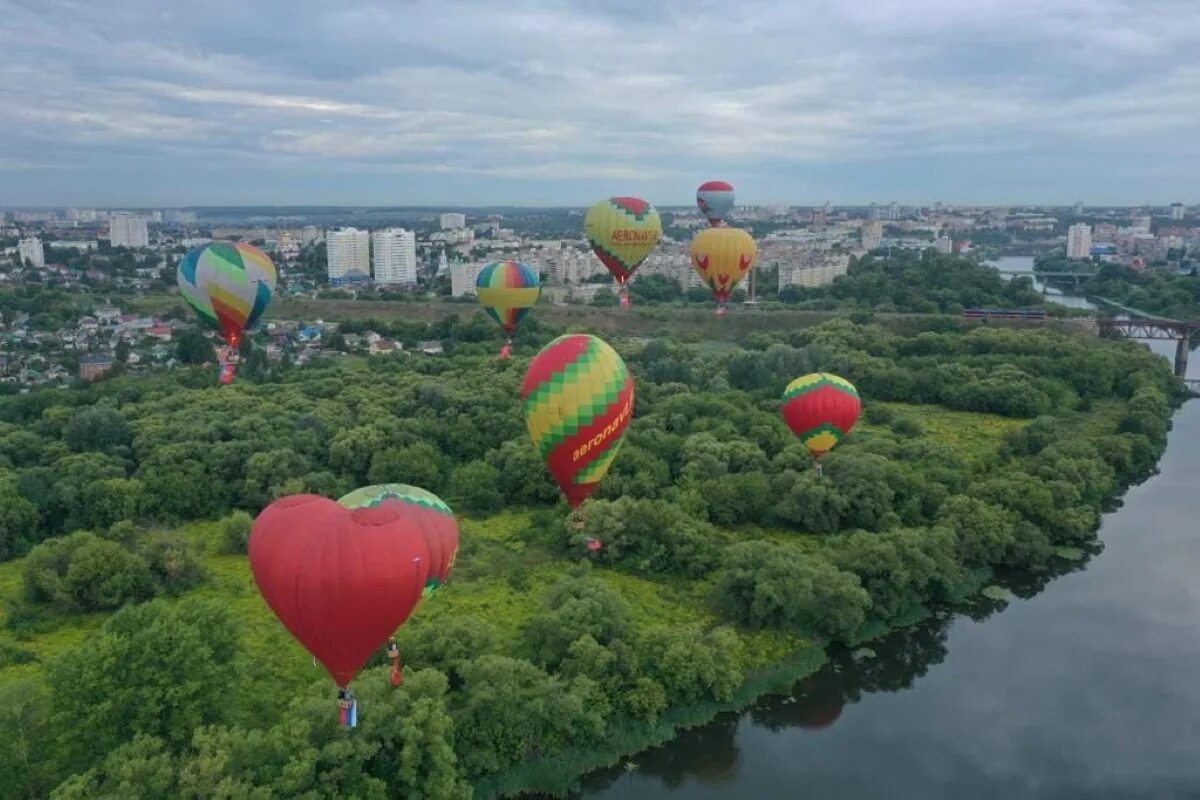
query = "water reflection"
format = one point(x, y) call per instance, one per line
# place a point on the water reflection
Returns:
point(710, 756)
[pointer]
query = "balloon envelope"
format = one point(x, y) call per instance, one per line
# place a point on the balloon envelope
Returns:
point(820, 408)
point(229, 285)
point(431, 517)
point(341, 580)
point(507, 290)
point(715, 200)
point(622, 232)
point(723, 256)
point(578, 400)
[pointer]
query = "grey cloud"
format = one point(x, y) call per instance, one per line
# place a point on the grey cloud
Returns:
point(556, 91)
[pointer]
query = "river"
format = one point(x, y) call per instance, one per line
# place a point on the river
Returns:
point(1012, 266)
point(1082, 686)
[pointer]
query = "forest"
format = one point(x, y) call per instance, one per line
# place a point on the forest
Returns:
point(137, 659)
point(1156, 291)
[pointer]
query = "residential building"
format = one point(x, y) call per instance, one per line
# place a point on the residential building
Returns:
point(81, 245)
point(1077, 209)
point(386, 347)
point(287, 248)
point(1178, 211)
point(872, 234)
point(944, 245)
point(813, 268)
point(175, 215)
point(453, 220)
point(394, 252)
point(1079, 241)
point(348, 256)
point(462, 277)
point(128, 230)
point(309, 235)
point(94, 365)
point(1141, 223)
point(31, 250)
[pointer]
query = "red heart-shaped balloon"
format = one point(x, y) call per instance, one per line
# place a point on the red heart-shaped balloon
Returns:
point(341, 580)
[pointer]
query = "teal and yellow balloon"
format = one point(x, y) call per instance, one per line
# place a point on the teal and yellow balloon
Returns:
point(427, 516)
point(508, 291)
point(229, 285)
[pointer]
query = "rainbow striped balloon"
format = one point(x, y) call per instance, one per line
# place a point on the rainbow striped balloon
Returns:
point(578, 399)
point(820, 408)
point(228, 284)
point(432, 518)
point(508, 290)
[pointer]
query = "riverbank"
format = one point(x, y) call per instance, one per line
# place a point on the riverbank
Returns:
point(991, 703)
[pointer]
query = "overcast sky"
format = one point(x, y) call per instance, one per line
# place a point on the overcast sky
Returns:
point(158, 102)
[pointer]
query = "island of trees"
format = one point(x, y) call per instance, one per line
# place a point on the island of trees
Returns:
point(137, 659)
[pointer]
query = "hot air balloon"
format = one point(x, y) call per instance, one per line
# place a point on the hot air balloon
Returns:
point(578, 400)
point(429, 516)
point(820, 408)
point(622, 232)
point(715, 199)
point(340, 580)
point(508, 290)
point(723, 256)
point(229, 285)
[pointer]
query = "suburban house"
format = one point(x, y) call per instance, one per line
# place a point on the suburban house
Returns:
point(94, 365)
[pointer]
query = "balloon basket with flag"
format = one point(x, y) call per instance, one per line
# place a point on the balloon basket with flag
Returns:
point(347, 709)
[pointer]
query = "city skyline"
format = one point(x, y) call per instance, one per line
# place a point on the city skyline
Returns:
point(464, 104)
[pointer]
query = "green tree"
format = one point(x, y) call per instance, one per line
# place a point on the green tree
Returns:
point(157, 669)
point(193, 347)
point(96, 428)
point(475, 485)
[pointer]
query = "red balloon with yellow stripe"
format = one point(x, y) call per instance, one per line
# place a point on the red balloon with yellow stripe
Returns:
point(820, 408)
point(578, 400)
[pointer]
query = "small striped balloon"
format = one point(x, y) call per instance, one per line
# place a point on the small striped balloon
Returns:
point(229, 285)
point(578, 400)
point(508, 290)
point(820, 408)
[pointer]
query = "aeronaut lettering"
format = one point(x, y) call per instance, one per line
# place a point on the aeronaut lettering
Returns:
point(599, 438)
point(633, 236)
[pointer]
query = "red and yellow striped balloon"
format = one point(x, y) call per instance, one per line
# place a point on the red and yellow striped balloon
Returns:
point(578, 400)
point(820, 408)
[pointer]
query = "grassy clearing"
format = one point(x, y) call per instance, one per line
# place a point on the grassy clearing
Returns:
point(967, 433)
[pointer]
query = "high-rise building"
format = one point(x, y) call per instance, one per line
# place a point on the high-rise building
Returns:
point(395, 256)
point(1077, 209)
point(128, 230)
point(893, 210)
point(872, 234)
point(944, 245)
point(1141, 223)
point(309, 235)
point(31, 250)
point(453, 220)
point(463, 275)
point(348, 256)
point(1178, 211)
point(1079, 241)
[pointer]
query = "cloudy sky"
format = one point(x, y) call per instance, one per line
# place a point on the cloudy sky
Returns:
point(124, 102)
